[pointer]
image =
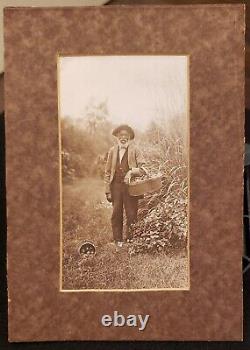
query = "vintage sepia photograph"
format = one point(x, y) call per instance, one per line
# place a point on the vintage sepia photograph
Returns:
point(124, 158)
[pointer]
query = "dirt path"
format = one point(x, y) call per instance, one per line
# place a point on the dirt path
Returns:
point(90, 189)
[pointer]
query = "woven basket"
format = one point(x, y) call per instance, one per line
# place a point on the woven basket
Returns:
point(141, 187)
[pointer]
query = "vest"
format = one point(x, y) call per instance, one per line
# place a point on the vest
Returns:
point(121, 168)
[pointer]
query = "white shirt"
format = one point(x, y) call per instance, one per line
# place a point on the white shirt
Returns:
point(122, 151)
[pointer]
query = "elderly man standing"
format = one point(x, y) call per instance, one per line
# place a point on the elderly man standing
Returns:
point(124, 162)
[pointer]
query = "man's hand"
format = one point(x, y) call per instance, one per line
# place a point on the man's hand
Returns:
point(109, 197)
point(136, 171)
point(127, 177)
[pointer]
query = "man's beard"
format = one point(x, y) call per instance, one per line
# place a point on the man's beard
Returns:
point(123, 145)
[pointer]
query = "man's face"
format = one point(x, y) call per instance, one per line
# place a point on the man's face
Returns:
point(123, 137)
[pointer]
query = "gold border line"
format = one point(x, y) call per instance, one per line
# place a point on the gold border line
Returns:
point(60, 173)
point(60, 177)
point(188, 106)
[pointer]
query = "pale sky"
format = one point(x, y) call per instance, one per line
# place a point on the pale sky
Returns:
point(138, 89)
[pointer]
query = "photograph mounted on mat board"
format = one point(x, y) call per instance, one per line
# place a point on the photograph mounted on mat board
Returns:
point(70, 237)
point(124, 147)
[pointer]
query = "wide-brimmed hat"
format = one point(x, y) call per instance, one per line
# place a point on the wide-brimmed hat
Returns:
point(124, 127)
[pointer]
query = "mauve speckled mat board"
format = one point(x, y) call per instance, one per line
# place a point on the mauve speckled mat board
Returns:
point(213, 38)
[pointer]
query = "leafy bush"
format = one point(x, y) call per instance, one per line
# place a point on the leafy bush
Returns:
point(162, 219)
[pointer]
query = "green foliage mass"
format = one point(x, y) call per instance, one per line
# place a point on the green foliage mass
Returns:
point(85, 142)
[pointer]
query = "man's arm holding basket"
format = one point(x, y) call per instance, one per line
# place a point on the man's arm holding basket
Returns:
point(139, 170)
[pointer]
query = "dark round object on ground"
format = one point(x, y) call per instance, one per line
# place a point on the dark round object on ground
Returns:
point(86, 248)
